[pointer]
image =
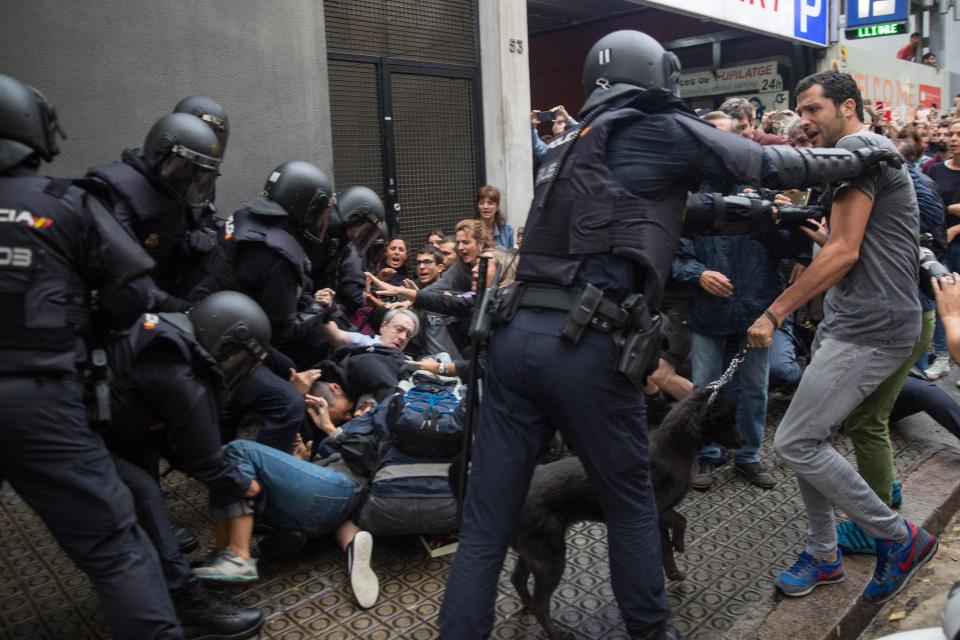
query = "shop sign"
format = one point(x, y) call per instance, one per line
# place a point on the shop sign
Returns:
point(799, 20)
point(760, 77)
point(866, 12)
point(771, 100)
point(877, 30)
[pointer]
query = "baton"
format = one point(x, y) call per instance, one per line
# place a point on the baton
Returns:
point(473, 393)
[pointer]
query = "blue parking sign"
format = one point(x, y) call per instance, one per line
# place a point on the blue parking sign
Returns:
point(810, 20)
point(864, 12)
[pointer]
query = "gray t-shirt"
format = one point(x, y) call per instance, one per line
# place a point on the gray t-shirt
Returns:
point(876, 304)
point(436, 335)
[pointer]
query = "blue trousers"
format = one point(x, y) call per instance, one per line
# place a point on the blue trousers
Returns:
point(537, 383)
point(153, 519)
point(61, 468)
point(748, 389)
point(923, 396)
point(299, 494)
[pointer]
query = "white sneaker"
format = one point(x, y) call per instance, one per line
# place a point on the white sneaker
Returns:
point(228, 567)
point(363, 581)
point(939, 368)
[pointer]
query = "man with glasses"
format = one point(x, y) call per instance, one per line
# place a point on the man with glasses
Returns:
point(429, 264)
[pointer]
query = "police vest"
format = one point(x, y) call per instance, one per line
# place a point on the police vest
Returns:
point(589, 212)
point(125, 350)
point(245, 226)
point(160, 224)
point(45, 233)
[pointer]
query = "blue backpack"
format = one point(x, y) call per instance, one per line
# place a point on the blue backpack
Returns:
point(430, 423)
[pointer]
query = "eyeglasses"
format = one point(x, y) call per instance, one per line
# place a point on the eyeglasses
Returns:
point(427, 261)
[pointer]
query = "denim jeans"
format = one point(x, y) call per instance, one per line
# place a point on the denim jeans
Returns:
point(299, 494)
point(748, 389)
point(784, 368)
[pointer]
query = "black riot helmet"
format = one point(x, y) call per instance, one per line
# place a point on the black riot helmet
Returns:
point(303, 190)
point(234, 330)
point(184, 156)
point(210, 111)
point(28, 124)
point(363, 217)
point(629, 58)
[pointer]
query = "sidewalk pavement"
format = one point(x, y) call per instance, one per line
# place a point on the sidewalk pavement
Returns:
point(739, 537)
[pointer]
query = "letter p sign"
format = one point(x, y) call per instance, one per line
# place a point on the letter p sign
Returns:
point(810, 21)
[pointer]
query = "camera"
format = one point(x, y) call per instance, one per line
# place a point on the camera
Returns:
point(545, 116)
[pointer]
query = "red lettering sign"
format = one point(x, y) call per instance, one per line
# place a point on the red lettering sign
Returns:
point(762, 3)
point(930, 96)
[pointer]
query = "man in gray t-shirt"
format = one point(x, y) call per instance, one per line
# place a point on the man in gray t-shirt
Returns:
point(869, 263)
point(876, 302)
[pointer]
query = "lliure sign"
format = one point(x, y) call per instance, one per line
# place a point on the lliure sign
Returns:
point(797, 20)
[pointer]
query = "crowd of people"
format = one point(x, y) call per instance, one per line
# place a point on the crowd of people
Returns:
point(304, 309)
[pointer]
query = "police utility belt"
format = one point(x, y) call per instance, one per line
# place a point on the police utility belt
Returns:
point(635, 329)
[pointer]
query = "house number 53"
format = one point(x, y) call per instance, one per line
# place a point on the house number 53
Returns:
point(516, 46)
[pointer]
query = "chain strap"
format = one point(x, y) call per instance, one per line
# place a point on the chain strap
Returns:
point(720, 382)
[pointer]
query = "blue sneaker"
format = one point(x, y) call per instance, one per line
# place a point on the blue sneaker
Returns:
point(898, 561)
point(807, 573)
point(896, 495)
point(853, 539)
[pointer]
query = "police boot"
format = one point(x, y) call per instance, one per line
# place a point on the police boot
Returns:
point(204, 617)
point(662, 631)
point(187, 540)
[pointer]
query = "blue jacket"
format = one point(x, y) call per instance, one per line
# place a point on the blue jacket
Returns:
point(503, 236)
point(752, 265)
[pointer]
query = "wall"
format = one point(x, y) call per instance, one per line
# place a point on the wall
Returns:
point(113, 67)
point(883, 77)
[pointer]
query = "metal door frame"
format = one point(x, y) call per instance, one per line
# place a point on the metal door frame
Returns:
point(385, 67)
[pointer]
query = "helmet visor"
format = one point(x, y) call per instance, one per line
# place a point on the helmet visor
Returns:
point(240, 363)
point(366, 234)
point(189, 175)
point(317, 216)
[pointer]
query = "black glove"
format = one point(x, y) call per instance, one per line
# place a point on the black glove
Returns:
point(795, 215)
point(871, 157)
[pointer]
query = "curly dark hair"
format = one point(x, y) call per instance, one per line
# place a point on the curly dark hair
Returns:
point(838, 87)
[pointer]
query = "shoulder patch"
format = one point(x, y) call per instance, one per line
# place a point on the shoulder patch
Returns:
point(150, 321)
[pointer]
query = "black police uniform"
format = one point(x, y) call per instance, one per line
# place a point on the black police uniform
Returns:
point(165, 398)
point(56, 245)
point(171, 233)
point(338, 266)
point(258, 254)
point(613, 221)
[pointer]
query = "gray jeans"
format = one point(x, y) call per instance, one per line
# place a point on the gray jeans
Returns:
point(839, 377)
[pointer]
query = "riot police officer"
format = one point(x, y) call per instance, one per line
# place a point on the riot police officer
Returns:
point(57, 245)
point(156, 190)
point(578, 338)
point(260, 253)
point(201, 240)
point(210, 111)
point(169, 371)
point(357, 220)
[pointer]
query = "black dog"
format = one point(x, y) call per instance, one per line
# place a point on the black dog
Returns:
point(560, 495)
